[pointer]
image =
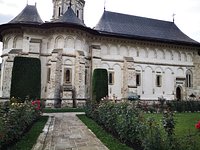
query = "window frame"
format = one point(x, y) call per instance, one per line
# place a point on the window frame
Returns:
point(112, 78)
point(138, 79)
point(158, 80)
point(69, 81)
point(189, 79)
point(48, 74)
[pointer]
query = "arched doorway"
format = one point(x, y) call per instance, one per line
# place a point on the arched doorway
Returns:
point(178, 93)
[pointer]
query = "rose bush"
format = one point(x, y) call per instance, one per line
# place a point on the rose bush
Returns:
point(15, 119)
point(197, 126)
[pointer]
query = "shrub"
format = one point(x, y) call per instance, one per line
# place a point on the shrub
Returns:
point(183, 106)
point(26, 74)
point(151, 135)
point(15, 120)
point(99, 84)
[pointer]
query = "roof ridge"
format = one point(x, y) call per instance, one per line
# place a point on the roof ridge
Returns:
point(139, 16)
point(113, 23)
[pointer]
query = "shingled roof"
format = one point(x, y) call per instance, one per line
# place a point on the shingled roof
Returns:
point(118, 24)
point(29, 15)
point(70, 17)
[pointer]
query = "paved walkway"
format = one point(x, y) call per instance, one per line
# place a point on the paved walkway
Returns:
point(64, 131)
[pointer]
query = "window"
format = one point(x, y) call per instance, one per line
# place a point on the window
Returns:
point(48, 74)
point(138, 79)
point(67, 75)
point(158, 80)
point(77, 14)
point(188, 79)
point(111, 78)
point(59, 11)
point(137, 53)
point(86, 76)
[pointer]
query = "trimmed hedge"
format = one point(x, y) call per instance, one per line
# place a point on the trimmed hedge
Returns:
point(15, 119)
point(26, 78)
point(184, 106)
point(99, 84)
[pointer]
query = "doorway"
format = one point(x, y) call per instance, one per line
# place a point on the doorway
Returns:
point(178, 93)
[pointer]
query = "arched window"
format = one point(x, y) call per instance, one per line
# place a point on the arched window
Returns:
point(188, 79)
point(59, 11)
point(77, 13)
point(67, 76)
point(110, 78)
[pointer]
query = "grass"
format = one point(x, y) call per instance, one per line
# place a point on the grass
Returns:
point(61, 110)
point(30, 138)
point(106, 138)
point(185, 122)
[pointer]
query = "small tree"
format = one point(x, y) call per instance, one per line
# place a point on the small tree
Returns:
point(99, 84)
point(26, 78)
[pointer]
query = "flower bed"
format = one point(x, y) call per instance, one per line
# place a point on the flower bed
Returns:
point(15, 119)
point(127, 122)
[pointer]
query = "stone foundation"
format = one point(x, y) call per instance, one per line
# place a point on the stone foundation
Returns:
point(66, 103)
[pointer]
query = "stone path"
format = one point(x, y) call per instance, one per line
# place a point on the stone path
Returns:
point(64, 131)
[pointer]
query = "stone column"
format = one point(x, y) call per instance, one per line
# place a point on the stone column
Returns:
point(196, 75)
point(56, 74)
point(7, 75)
point(95, 61)
point(129, 77)
point(79, 80)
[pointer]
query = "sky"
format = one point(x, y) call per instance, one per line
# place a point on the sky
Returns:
point(187, 12)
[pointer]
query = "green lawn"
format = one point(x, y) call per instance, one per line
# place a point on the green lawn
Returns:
point(106, 138)
point(30, 138)
point(185, 122)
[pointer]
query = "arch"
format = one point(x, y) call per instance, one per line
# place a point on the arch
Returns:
point(113, 50)
point(105, 65)
point(138, 67)
point(123, 50)
point(189, 57)
point(116, 64)
point(179, 93)
point(142, 52)
point(59, 42)
point(8, 42)
point(160, 54)
point(168, 55)
point(189, 78)
point(50, 43)
point(17, 42)
point(104, 50)
point(159, 69)
point(69, 42)
point(176, 55)
point(132, 51)
point(169, 81)
point(151, 53)
point(183, 57)
point(180, 72)
point(179, 56)
point(169, 69)
point(148, 81)
point(68, 62)
point(78, 44)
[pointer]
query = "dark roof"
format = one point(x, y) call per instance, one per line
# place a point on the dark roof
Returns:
point(112, 23)
point(28, 15)
point(70, 17)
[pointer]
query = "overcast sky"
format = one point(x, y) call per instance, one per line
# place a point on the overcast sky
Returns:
point(187, 12)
